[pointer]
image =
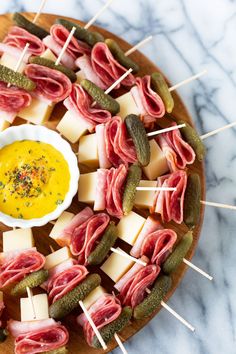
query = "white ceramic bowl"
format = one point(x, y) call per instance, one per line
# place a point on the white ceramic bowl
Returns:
point(36, 132)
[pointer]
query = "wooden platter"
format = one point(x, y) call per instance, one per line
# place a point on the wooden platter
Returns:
point(77, 342)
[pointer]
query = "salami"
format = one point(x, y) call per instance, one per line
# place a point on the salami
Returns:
point(19, 37)
point(102, 154)
point(149, 103)
point(12, 100)
point(80, 104)
point(14, 269)
point(104, 311)
point(101, 189)
point(57, 270)
point(178, 152)
point(107, 68)
point(115, 188)
point(50, 84)
point(170, 204)
point(85, 65)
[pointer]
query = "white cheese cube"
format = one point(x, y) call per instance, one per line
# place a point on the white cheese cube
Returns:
point(48, 54)
point(40, 305)
point(93, 296)
point(88, 150)
point(11, 61)
point(1, 296)
point(80, 76)
point(127, 105)
point(17, 239)
point(38, 112)
point(145, 199)
point(158, 165)
point(57, 257)
point(3, 123)
point(72, 127)
point(87, 187)
point(130, 226)
point(62, 222)
point(116, 266)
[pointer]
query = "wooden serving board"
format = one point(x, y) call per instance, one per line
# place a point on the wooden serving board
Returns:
point(77, 342)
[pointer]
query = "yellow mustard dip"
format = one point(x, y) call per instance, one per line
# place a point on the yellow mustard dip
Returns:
point(34, 179)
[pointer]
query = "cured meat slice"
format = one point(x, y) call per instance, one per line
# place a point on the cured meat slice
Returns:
point(15, 269)
point(19, 37)
point(101, 190)
point(170, 204)
point(149, 103)
point(119, 147)
point(13, 99)
point(85, 237)
point(134, 290)
point(158, 245)
point(50, 84)
point(149, 227)
point(102, 155)
point(85, 64)
point(57, 270)
point(107, 68)
point(115, 188)
point(18, 328)
point(104, 311)
point(61, 283)
point(178, 152)
point(14, 51)
point(80, 103)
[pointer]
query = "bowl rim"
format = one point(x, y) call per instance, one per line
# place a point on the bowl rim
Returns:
point(29, 132)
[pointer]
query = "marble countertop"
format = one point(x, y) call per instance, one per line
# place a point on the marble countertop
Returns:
point(189, 36)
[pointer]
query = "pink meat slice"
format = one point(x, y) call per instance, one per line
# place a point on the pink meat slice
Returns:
point(119, 147)
point(107, 68)
point(85, 64)
point(19, 37)
point(58, 269)
point(102, 154)
point(115, 188)
point(101, 189)
point(51, 84)
point(17, 328)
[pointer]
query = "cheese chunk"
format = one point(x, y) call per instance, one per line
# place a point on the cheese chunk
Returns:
point(145, 199)
point(87, 187)
point(94, 296)
point(116, 266)
point(88, 150)
point(38, 112)
point(3, 124)
point(40, 305)
point(1, 296)
point(127, 105)
point(18, 239)
point(80, 76)
point(158, 165)
point(57, 257)
point(72, 127)
point(48, 54)
point(62, 222)
point(11, 61)
point(129, 227)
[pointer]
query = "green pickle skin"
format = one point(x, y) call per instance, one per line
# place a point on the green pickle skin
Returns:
point(193, 139)
point(132, 181)
point(160, 86)
point(192, 204)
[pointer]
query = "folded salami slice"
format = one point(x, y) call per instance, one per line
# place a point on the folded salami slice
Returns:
point(14, 269)
point(133, 291)
point(51, 84)
point(85, 64)
point(119, 147)
point(80, 104)
point(38, 336)
point(107, 68)
point(115, 188)
point(178, 152)
point(171, 204)
point(101, 189)
point(12, 100)
point(19, 37)
point(149, 103)
point(102, 154)
point(57, 270)
point(14, 52)
point(104, 311)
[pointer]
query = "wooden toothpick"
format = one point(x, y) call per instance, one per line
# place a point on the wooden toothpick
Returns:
point(218, 205)
point(216, 131)
point(138, 45)
point(39, 11)
point(119, 342)
point(187, 81)
point(197, 269)
point(67, 42)
point(107, 4)
point(156, 189)
point(126, 255)
point(18, 64)
point(30, 297)
point(166, 130)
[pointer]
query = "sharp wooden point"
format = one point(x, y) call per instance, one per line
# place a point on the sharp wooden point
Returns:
point(94, 18)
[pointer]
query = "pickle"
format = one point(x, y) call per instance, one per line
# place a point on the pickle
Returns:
point(62, 350)
point(132, 182)
point(138, 133)
point(153, 300)
point(15, 78)
point(3, 335)
point(108, 331)
point(107, 241)
point(176, 257)
point(194, 140)
point(120, 56)
point(50, 64)
point(105, 101)
point(160, 86)
point(22, 22)
point(91, 38)
point(192, 205)
point(31, 281)
point(70, 301)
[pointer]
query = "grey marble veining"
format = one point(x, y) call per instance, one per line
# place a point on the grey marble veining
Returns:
point(190, 36)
